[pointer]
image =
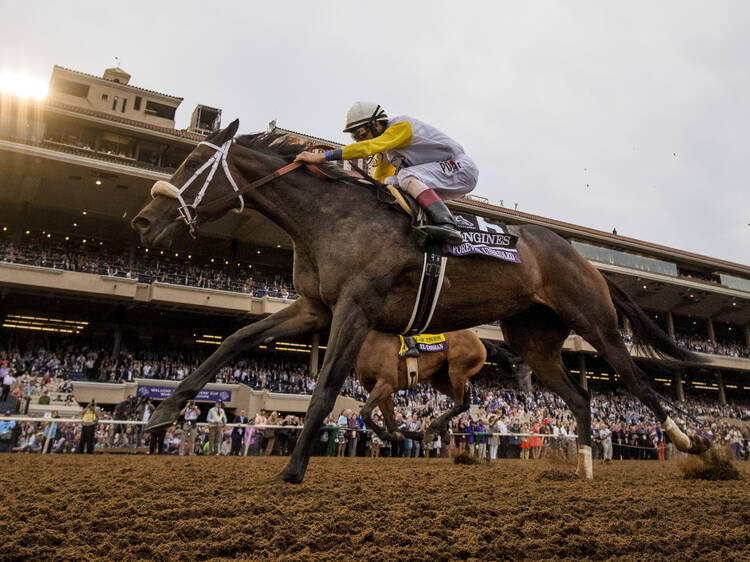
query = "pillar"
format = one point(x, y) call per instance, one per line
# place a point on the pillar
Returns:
point(679, 390)
point(314, 354)
point(722, 389)
point(131, 259)
point(18, 224)
point(233, 256)
point(670, 325)
point(117, 343)
point(711, 332)
point(582, 368)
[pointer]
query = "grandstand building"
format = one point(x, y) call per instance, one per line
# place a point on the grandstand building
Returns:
point(78, 166)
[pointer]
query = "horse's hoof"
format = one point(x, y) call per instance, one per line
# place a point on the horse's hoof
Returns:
point(289, 477)
point(161, 419)
point(398, 436)
point(698, 445)
point(429, 437)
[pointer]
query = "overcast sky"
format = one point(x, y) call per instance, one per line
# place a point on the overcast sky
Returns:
point(633, 115)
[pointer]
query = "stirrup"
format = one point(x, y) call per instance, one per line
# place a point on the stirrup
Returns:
point(443, 232)
point(411, 347)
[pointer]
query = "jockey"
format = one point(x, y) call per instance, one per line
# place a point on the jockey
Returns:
point(413, 156)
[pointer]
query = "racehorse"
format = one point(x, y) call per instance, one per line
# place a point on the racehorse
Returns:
point(382, 372)
point(357, 269)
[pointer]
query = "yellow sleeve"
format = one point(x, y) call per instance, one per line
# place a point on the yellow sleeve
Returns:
point(398, 135)
point(383, 170)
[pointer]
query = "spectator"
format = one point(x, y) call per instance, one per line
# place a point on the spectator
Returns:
point(190, 415)
point(341, 437)
point(7, 431)
point(238, 433)
point(88, 430)
point(217, 419)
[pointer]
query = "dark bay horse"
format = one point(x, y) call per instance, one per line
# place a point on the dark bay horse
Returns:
point(382, 372)
point(357, 268)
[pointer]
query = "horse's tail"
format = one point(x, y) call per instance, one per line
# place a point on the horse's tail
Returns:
point(647, 336)
point(501, 354)
point(509, 363)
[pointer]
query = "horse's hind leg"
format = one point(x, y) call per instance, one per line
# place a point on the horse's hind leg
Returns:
point(461, 403)
point(459, 371)
point(381, 391)
point(590, 312)
point(537, 335)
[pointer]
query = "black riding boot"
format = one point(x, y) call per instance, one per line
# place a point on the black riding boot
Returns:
point(411, 347)
point(443, 225)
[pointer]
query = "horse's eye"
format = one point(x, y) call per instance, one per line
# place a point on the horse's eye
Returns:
point(191, 165)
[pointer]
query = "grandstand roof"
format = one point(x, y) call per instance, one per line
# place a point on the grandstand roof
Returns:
point(305, 135)
point(58, 67)
point(116, 119)
point(613, 239)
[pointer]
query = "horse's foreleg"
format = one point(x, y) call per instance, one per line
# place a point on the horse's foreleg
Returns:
point(302, 317)
point(349, 327)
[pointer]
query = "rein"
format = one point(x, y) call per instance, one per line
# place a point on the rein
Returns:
point(189, 212)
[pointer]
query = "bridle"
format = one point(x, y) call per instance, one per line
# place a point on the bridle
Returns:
point(189, 212)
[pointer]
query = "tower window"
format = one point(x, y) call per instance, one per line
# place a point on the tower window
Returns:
point(114, 104)
point(137, 103)
point(124, 104)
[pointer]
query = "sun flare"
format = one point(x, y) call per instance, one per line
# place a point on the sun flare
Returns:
point(22, 85)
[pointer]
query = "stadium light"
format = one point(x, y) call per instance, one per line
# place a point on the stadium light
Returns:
point(23, 86)
point(98, 182)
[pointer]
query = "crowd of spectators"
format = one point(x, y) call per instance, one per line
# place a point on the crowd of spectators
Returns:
point(258, 280)
point(510, 424)
point(91, 257)
point(704, 345)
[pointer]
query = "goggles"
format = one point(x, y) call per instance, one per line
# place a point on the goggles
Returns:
point(360, 133)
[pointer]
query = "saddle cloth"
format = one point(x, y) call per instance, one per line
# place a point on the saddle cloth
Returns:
point(481, 236)
point(426, 342)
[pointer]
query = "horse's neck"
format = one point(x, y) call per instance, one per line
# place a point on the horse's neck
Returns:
point(309, 208)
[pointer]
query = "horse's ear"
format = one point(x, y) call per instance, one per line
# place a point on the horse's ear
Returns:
point(231, 131)
point(222, 136)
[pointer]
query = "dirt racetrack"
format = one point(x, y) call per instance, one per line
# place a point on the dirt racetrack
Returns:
point(138, 507)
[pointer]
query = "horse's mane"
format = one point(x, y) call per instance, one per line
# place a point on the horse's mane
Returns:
point(287, 148)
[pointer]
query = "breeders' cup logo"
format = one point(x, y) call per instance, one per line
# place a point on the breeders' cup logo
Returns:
point(463, 222)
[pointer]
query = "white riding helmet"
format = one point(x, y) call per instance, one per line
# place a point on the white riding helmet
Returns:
point(362, 113)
